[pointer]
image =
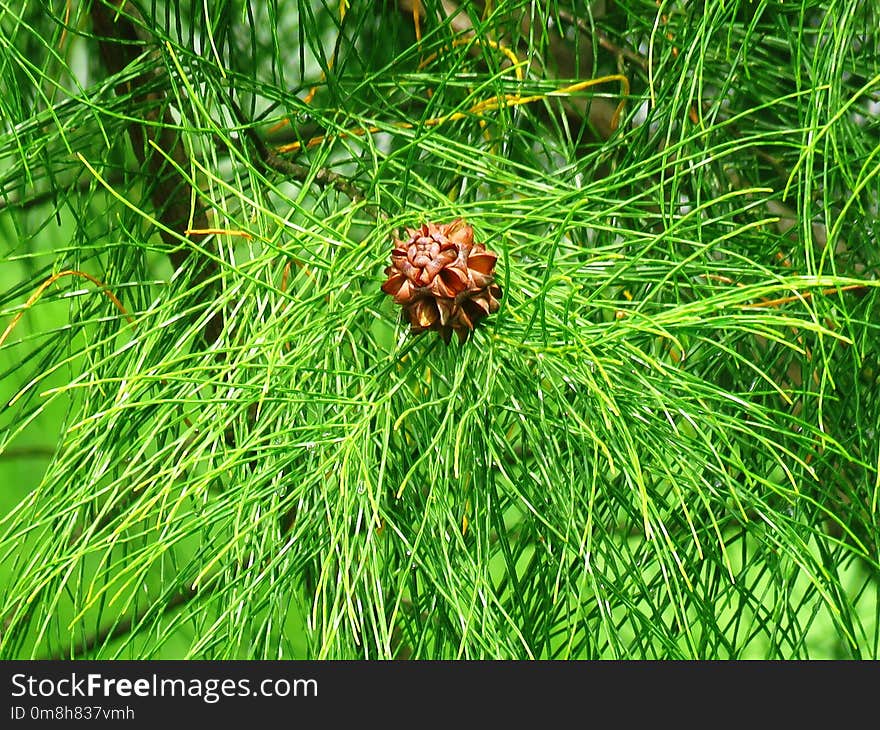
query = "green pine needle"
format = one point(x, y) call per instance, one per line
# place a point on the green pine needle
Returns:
point(664, 444)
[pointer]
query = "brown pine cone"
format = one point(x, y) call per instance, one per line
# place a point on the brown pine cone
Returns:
point(442, 279)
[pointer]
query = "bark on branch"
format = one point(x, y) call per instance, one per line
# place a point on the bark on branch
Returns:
point(121, 41)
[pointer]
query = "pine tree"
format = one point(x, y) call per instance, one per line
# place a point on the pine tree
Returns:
point(655, 436)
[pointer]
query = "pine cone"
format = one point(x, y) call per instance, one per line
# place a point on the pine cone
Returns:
point(442, 279)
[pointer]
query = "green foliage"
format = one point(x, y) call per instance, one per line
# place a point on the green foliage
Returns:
point(665, 443)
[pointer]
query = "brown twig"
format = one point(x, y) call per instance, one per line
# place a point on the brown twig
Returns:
point(121, 41)
point(601, 114)
point(27, 452)
point(603, 40)
point(128, 626)
point(303, 173)
point(51, 195)
point(322, 177)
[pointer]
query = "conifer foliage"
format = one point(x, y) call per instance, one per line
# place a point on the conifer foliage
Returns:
point(238, 239)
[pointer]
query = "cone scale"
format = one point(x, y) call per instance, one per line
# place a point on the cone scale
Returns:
point(442, 279)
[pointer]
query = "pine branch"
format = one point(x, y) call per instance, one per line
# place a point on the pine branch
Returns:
point(273, 161)
point(121, 41)
point(662, 446)
point(130, 626)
